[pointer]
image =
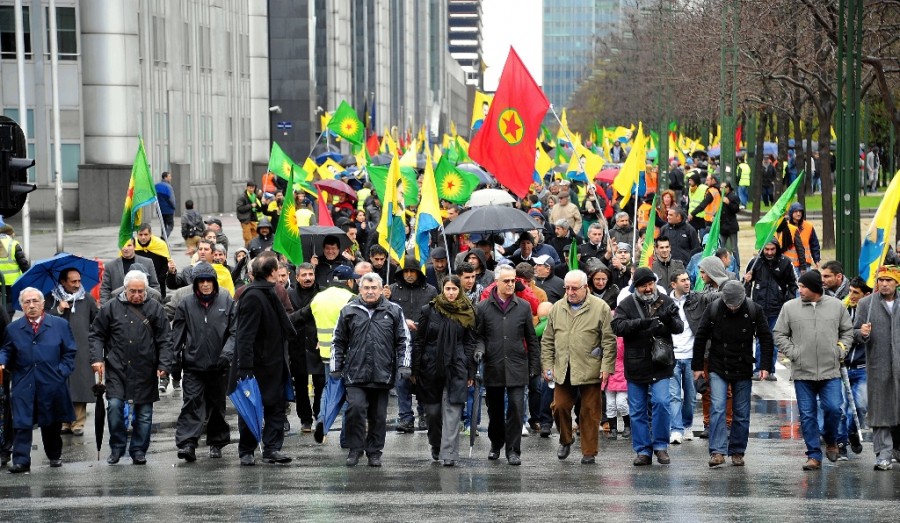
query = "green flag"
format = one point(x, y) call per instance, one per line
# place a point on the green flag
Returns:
point(647, 248)
point(766, 226)
point(141, 193)
point(346, 124)
point(712, 244)
point(453, 184)
point(408, 183)
point(573, 255)
point(287, 235)
point(280, 163)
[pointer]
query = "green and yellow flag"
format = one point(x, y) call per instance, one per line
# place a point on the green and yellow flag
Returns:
point(712, 244)
point(407, 178)
point(279, 162)
point(141, 193)
point(346, 124)
point(453, 184)
point(647, 248)
point(287, 236)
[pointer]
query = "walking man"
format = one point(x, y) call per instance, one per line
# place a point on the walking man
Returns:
point(578, 353)
point(203, 332)
point(814, 332)
point(370, 348)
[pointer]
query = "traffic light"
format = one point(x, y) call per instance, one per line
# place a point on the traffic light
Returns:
point(14, 186)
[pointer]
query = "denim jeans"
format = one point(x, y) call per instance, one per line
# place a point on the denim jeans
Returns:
point(771, 320)
point(658, 394)
point(743, 194)
point(719, 440)
point(811, 394)
point(861, 399)
point(767, 195)
point(140, 426)
point(404, 401)
point(682, 409)
point(546, 416)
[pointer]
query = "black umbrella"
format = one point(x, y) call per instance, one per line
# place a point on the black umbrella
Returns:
point(313, 237)
point(381, 159)
point(99, 412)
point(492, 218)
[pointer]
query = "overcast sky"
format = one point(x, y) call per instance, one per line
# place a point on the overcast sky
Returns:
point(516, 23)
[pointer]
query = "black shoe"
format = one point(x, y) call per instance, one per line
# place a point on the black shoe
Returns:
point(319, 434)
point(449, 463)
point(855, 443)
point(662, 457)
point(406, 427)
point(306, 427)
point(704, 434)
point(494, 454)
point(114, 458)
point(176, 384)
point(353, 457)
point(642, 460)
point(287, 426)
point(374, 461)
point(163, 385)
point(188, 454)
point(247, 460)
point(514, 460)
point(215, 452)
point(613, 434)
point(18, 469)
point(65, 431)
point(423, 422)
point(4, 458)
point(588, 460)
point(139, 458)
point(277, 457)
point(563, 451)
point(55, 463)
point(435, 453)
point(545, 431)
point(626, 432)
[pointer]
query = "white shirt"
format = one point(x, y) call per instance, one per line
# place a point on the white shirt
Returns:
point(684, 342)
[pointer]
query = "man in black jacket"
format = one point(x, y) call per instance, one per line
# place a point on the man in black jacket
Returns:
point(730, 324)
point(682, 236)
point(304, 349)
point(509, 348)
point(203, 332)
point(411, 292)
point(261, 336)
point(370, 348)
point(545, 279)
point(639, 319)
point(771, 281)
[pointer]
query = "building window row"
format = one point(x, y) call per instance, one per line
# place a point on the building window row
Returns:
point(66, 32)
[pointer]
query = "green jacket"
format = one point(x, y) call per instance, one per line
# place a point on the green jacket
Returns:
point(571, 336)
point(809, 335)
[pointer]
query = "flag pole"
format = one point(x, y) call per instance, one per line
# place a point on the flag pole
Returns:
point(634, 228)
point(319, 139)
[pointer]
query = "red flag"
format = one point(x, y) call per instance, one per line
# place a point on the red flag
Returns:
point(372, 144)
point(324, 213)
point(737, 137)
point(505, 143)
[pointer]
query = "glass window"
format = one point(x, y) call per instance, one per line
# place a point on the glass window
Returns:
point(71, 158)
point(14, 114)
point(8, 32)
point(66, 32)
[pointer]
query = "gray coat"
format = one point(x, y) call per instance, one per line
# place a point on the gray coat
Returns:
point(81, 381)
point(882, 360)
point(114, 276)
point(808, 335)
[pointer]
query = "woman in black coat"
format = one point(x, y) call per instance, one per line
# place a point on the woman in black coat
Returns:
point(728, 227)
point(443, 365)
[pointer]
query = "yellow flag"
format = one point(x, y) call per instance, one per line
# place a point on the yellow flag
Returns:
point(587, 162)
point(329, 169)
point(409, 157)
point(480, 109)
point(310, 167)
point(324, 119)
point(636, 162)
point(436, 154)
point(542, 161)
point(390, 145)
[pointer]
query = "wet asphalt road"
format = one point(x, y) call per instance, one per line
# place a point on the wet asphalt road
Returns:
point(318, 487)
point(410, 487)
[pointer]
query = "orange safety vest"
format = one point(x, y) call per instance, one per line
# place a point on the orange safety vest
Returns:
point(791, 253)
point(710, 213)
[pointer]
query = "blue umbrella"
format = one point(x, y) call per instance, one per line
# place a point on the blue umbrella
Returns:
point(333, 398)
point(44, 274)
point(247, 400)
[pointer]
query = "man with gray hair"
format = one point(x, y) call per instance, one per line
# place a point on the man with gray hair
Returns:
point(369, 350)
point(503, 325)
point(578, 352)
point(131, 344)
point(623, 231)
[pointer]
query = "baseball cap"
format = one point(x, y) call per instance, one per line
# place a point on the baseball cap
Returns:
point(543, 259)
point(343, 273)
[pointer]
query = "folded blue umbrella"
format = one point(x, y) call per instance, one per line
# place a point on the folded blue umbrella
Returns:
point(247, 401)
point(333, 398)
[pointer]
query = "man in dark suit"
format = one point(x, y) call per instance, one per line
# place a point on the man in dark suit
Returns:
point(114, 271)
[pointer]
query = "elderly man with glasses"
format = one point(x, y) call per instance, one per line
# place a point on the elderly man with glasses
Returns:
point(509, 348)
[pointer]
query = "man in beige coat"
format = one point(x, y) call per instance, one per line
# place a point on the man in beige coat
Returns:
point(578, 353)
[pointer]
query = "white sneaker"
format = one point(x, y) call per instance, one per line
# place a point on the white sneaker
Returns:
point(688, 435)
point(525, 432)
point(676, 438)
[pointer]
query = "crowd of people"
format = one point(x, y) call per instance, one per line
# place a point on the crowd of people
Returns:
point(580, 344)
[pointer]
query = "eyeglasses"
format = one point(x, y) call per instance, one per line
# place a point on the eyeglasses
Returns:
point(508, 281)
point(573, 288)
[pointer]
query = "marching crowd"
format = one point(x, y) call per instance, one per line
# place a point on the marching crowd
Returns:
point(599, 346)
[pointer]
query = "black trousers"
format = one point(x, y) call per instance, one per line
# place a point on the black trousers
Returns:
point(366, 405)
point(274, 417)
point(299, 373)
point(204, 402)
point(505, 424)
point(22, 443)
point(6, 443)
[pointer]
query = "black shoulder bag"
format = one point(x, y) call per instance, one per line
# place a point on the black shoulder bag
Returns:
point(662, 352)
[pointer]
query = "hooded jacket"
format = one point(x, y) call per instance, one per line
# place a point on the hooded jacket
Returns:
point(486, 277)
point(204, 333)
point(807, 233)
point(370, 344)
point(774, 281)
point(682, 237)
point(713, 268)
point(732, 352)
point(262, 242)
point(412, 297)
